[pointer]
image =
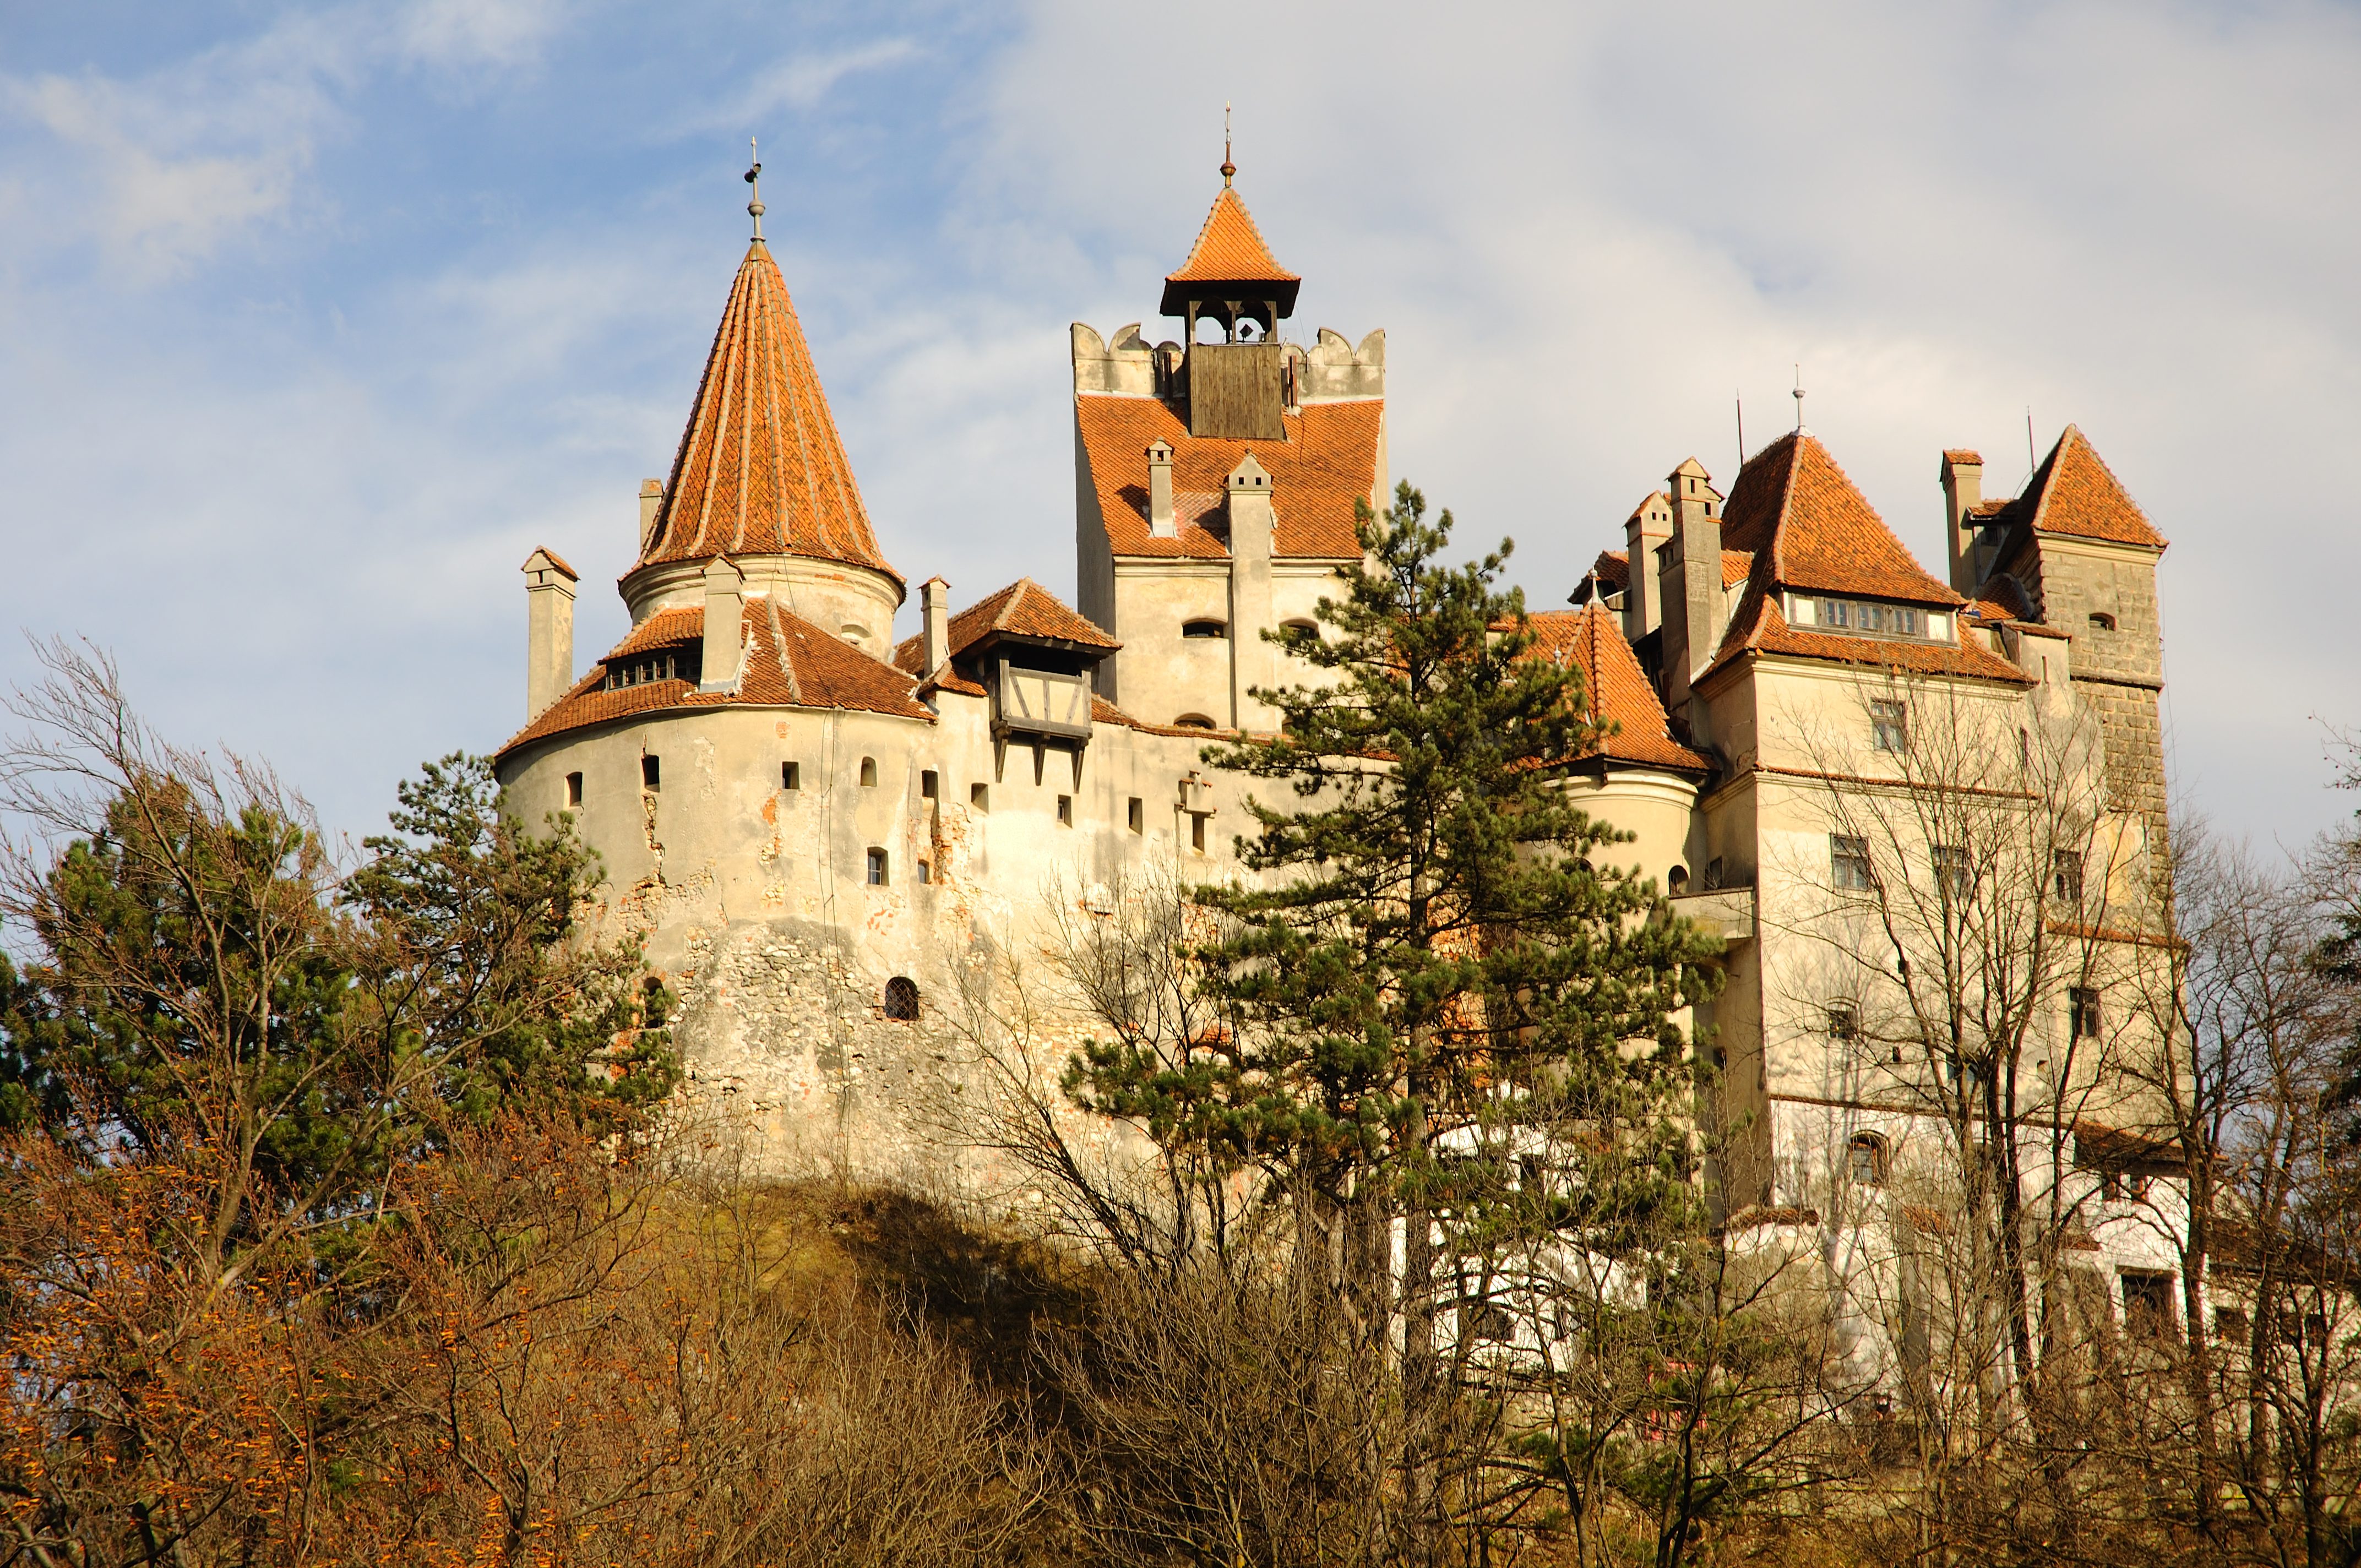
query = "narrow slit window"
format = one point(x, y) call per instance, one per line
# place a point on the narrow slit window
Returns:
point(1136, 814)
point(1197, 832)
point(1066, 810)
point(573, 790)
point(868, 772)
point(926, 783)
point(791, 776)
point(650, 773)
point(926, 873)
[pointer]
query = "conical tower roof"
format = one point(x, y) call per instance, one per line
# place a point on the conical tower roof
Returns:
point(1229, 260)
point(761, 470)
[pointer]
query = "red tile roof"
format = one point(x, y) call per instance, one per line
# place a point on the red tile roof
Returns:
point(1229, 249)
point(1615, 687)
point(791, 664)
point(1819, 533)
point(1957, 454)
point(1613, 568)
point(1328, 461)
point(2076, 494)
point(1758, 627)
point(1023, 608)
point(761, 468)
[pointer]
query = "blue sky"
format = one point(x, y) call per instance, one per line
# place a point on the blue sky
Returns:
point(315, 320)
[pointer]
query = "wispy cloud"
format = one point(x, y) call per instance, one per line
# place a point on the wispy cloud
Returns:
point(801, 81)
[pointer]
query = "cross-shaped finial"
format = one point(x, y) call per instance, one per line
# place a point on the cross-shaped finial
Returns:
point(1228, 169)
point(754, 178)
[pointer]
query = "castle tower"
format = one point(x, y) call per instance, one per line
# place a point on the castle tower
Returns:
point(2081, 556)
point(1216, 482)
point(762, 478)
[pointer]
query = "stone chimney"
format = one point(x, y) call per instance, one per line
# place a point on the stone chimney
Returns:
point(651, 502)
point(1161, 524)
point(1252, 520)
point(725, 599)
point(1643, 599)
point(549, 632)
point(1963, 490)
point(1692, 580)
point(934, 622)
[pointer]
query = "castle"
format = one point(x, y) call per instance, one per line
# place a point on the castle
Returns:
point(813, 827)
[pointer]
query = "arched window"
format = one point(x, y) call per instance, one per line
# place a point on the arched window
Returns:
point(1866, 1155)
point(1203, 629)
point(902, 998)
point(868, 772)
point(2102, 621)
point(1308, 628)
point(1192, 721)
point(1676, 881)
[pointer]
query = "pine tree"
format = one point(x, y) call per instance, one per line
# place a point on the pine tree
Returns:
point(1428, 962)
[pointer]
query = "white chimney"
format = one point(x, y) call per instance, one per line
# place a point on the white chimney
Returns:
point(549, 632)
point(651, 502)
point(1160, 522)
point(934, 622)
point(1963, 490)
point(725, 599)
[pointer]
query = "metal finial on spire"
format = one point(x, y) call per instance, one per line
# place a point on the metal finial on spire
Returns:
point(1799, 401)
point(754, 178)
point(1228, 169)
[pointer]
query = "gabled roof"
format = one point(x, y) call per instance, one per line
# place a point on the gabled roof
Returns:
point(1023, 608)
point(2075, 493)
point(1806, 520)
point(761, 470)
point(1616, 689)
point(790, 662)
point(1328, 461)
point(1229, 249)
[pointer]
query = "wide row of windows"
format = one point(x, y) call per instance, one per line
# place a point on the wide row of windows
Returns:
point(1851, 870)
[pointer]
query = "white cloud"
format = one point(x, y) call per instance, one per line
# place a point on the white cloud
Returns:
point(468, 34)
point(801, 81)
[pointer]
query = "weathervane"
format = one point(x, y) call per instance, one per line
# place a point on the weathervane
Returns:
point(1228, 169)
point(754, 178)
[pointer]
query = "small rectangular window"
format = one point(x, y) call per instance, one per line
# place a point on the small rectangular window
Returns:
point(980, 796)
point(1835, 612)
point(2148, 1304)
point(650, 773)
point(1844, 1023)
point(877, 868)
point(573, 790)
point(926, 873)
point(2232, 1325)
point(1137, 815)
point(1849, 864)
point(1066, 810)
point(926, 786)
point(791, 776)
point(1889, 726)
point(2066, 876)
point(2082, 1009)
point(1197, 832)
point(1955, 877)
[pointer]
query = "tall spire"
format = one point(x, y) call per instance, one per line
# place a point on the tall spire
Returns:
point(1229, 170)
point(754, 178)
point(761, 470)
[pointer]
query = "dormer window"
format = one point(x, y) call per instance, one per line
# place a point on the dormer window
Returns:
point(1868, 614)
point(654, 665)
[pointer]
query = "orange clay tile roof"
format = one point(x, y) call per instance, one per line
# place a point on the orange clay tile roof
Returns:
point(2076, 494)
point(761, 468)
point(1613, 568)
point(2002, 600)
point(1328, 461)
point(555, 560)
point(1735, 564)
point(664, 629)
point(1229, 249)
point(1023, 608)
point(791, 664)
point(1956, 454)
point(1812, 530)
point(1616, 688)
